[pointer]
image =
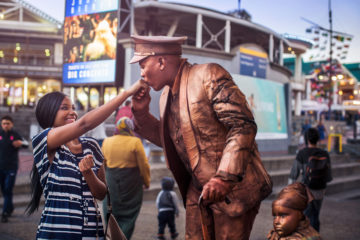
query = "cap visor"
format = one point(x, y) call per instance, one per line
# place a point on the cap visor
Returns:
point(136, 59)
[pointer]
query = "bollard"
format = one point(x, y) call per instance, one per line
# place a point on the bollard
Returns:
point(339, 138)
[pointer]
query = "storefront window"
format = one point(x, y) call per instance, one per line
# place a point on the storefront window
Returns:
point(109, 93)
point(21, 53)
point(94, 98)
point(81, 101)
point(14, 91)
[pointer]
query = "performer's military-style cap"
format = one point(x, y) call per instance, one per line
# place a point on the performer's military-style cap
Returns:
point(156, 45)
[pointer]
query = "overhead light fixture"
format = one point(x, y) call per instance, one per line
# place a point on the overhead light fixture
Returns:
point(18, 47)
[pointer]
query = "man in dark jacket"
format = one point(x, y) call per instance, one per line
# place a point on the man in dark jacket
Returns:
point(10, 142)
point(208, 134)
point(314, 164)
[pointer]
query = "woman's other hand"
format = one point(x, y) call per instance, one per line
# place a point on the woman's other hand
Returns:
point(86, 163)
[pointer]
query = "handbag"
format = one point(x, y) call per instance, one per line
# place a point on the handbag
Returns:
point(112, 229)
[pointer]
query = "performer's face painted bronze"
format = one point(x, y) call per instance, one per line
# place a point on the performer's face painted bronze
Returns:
point(286, 220)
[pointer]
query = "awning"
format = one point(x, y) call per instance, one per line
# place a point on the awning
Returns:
point(310, 105)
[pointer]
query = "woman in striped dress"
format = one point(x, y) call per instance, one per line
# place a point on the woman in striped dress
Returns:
point(68, 168)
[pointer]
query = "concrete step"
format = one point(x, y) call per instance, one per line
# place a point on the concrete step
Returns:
point(158, 171)
point(280, 177)
point(286, 162)
point(341, 188)
point(349, 185)
point(346, 195)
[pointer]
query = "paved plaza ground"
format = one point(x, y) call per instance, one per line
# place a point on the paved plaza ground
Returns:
point(339, 220)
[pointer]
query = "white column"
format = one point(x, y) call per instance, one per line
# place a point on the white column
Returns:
point(25, 95)
point(132, 19)
point(298, 104)
point(281, 52)
point(2, 85)
point(227, 36)
point(199, 24)
point(298, 67)
point(308, 89)
point(271, 48)
point(335, 94)
point(72, 94)
point(21, 13)
point(127, 74)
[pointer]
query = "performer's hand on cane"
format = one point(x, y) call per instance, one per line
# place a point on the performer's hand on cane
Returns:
point(216, 190)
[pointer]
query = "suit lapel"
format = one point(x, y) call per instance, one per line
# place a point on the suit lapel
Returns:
point(185, 120)
point(163, 102)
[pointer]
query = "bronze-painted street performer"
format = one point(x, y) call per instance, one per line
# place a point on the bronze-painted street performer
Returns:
point(289, 221)
point(208, 133)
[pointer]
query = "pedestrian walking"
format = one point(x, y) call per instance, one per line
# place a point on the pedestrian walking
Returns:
point(322, 131)
point(304, 128)
point(315, 167)
point(10, 143)
point(127, 172)
point(68, 168)
point(167, 205)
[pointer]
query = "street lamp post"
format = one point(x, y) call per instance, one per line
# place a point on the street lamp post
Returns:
point(330, 61)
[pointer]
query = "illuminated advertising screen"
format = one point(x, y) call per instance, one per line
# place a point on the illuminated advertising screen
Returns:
point(90, 40)
point(267, 102)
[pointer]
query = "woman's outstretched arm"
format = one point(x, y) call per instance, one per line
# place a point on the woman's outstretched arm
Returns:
point(61, 135)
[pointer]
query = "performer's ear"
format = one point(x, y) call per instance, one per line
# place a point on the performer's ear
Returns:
point(161, 61)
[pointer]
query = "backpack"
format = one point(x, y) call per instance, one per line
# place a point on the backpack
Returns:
point(316, 173)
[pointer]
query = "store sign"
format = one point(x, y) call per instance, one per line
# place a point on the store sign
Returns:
point(253, 63)
point(267, 102)
point(90, 41)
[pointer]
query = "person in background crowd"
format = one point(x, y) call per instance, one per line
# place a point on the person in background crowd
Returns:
point(10, 142)
point(304, 129)
point(289, 220)
point(124, 111)
point(68, 168)
point(127, 172)
point(322, 131)
point(167, 205)
point(315, 161)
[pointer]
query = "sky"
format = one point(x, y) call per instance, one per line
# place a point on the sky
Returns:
point(282, 16)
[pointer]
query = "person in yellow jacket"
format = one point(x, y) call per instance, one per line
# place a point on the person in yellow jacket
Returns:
point(127, 172)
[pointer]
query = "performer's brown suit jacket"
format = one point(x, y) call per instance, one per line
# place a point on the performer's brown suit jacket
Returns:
point(219, 131)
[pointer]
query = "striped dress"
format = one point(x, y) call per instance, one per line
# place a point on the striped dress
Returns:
point(69, 211)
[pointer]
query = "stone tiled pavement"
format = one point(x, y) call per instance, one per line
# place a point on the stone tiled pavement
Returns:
point(339, 220)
